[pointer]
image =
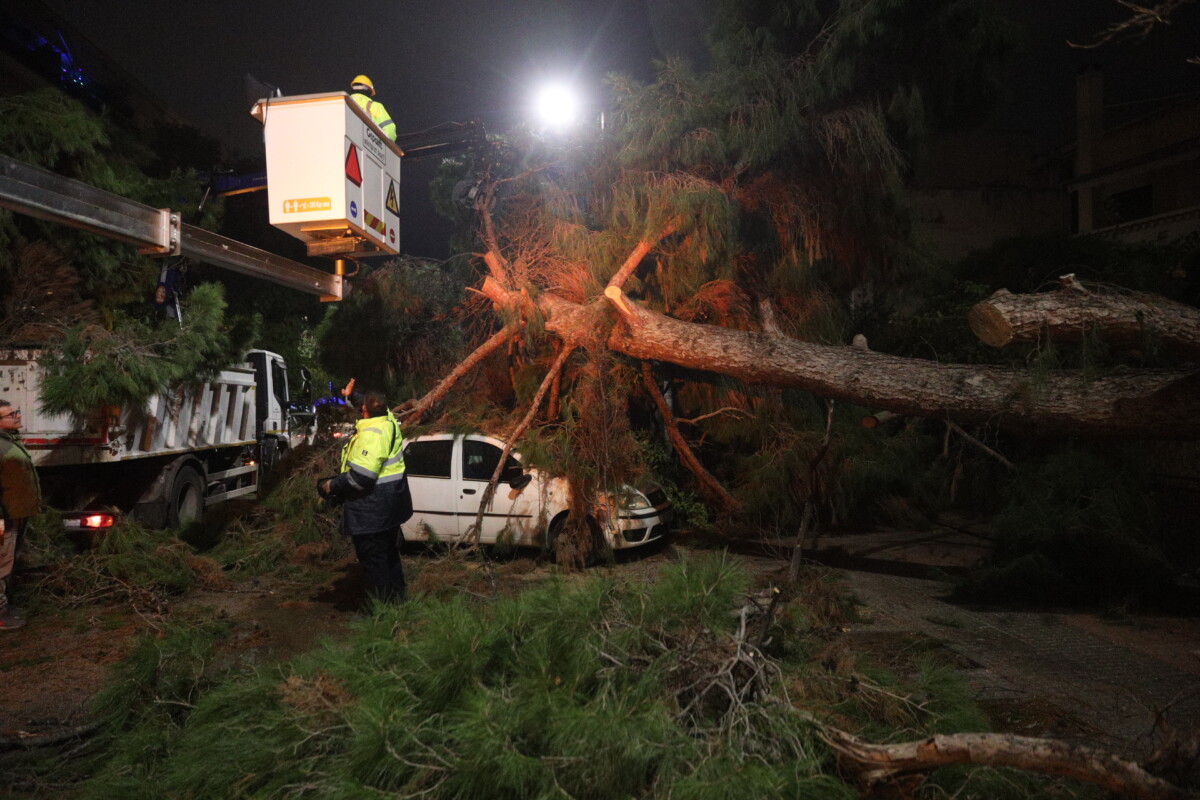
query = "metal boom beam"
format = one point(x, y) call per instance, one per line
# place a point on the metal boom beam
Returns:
point(43, 194)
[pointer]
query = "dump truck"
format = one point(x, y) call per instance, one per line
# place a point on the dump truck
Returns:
point(165, 461)
point(334, 184)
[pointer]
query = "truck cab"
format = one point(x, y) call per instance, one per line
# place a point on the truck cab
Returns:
point(284, 422)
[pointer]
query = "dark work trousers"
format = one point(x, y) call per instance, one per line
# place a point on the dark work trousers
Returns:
point(379, 554)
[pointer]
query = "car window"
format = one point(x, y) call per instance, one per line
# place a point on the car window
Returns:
point(480, 459)
point(429, 459)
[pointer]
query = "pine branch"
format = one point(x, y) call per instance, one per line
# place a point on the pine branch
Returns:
point(1137, 26)
point(708, 483)
point(639, 252)
point(414, 414)
point(488, 493)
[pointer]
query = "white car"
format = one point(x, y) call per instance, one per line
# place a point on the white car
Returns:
point(448, 473)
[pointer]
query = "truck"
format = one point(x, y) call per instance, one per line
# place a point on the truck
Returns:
point(334, 184)
point(164, 462)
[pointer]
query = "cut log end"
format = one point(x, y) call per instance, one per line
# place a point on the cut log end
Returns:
point(617, 298)
point(878, 418)
point(989, 324)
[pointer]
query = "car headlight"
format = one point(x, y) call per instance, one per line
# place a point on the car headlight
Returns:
point(636, 501)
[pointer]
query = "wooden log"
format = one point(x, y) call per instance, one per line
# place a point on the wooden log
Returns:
point(1124, 319)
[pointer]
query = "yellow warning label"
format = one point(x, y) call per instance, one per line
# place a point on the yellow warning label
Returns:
point(392, 205)
point(303, 204)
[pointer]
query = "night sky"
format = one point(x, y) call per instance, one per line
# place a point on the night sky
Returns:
point(456, 60)
point(452, 60)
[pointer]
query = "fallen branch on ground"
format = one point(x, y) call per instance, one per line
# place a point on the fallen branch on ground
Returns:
point(873, 764)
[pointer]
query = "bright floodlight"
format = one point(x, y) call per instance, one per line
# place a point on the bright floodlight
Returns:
point(556, 105)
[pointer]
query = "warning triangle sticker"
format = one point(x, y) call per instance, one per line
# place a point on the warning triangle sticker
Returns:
point(353, 171)
point(392, 205)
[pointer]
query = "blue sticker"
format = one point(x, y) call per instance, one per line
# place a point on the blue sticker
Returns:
point(353, 209)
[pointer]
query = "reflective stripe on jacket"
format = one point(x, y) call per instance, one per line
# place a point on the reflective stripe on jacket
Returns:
point(377, 113)
point(372, 478)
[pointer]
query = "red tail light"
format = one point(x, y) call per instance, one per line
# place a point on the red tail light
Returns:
point(97, 521)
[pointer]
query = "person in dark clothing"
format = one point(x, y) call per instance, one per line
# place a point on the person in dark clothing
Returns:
point(20, 501)
point(374, 491)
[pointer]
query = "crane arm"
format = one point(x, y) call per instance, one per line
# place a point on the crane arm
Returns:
point(40, 193)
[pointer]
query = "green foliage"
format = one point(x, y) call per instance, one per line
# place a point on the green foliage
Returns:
point(142, 556)
point(395, 332)
point(288, 530)
point(688, 508)
point(588, 689)
point(697, 592)
point(145, 707)
point(776, 174)
point(116, 347)
point(896, 474)
point(128, 560)
point(127, 365)
point(1077, 528)
point(47, 129)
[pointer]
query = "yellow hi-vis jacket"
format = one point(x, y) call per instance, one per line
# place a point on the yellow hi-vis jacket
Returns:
point(372, 478)
point(377, 113)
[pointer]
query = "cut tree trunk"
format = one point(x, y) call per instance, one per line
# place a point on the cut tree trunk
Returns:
point(1127, 320)
point(1146, 403)
point(1150, 403)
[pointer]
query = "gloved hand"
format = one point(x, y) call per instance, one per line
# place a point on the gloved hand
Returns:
point(324, 491)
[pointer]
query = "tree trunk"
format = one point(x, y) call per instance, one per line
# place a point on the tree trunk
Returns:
point(1130, 320)
point(1150, 403)
point(1146, 403)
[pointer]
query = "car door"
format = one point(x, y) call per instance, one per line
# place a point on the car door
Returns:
point(512, 514)
point(429, 462)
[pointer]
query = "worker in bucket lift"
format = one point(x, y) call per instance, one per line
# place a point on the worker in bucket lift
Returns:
point(361, 92)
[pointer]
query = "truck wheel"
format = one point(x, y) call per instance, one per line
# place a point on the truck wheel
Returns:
point(273, 453)
point(186, 498)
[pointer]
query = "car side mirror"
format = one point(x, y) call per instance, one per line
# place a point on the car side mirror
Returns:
point(520, 482)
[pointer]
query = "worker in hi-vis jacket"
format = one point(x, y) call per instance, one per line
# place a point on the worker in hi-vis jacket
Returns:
point(373, 491)
point(362, 91)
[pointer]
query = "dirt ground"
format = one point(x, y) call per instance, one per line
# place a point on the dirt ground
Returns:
point(52, 668)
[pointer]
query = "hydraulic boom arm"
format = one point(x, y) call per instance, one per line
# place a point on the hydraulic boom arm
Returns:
point(41, 193)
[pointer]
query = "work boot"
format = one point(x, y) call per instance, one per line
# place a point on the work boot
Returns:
point(10, 620)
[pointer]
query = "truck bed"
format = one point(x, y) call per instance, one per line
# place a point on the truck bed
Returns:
point(213, 414)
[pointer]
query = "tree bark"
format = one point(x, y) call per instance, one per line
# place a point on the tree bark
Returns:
point(414, 414)
point(1143, 403)
point(1148, 403)
point(1066, 315)
point(639, 252)
point(876, 763)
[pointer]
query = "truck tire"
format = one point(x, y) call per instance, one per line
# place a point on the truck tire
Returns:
point(273, 454)
point(186, 498)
